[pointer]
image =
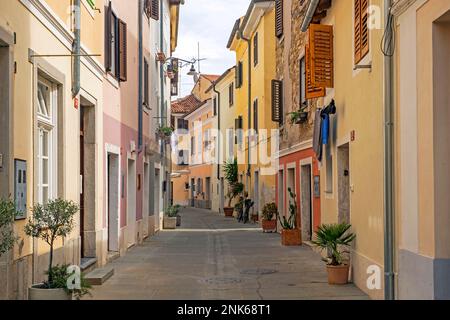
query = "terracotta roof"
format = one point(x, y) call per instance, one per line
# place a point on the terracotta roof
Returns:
point(186, 104)
point(211, 77)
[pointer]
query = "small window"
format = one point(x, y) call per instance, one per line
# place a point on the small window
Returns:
point(231, 94)
point(255, 50)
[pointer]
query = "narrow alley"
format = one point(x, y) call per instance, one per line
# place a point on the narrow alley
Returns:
point(212, 257)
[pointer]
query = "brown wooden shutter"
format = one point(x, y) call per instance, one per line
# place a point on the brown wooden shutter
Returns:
point(146, 84)
point(122, 51)
point(108, 40)
point(155, 9)
point(277, 101)
point(255, 115)
point(255, 50)
point(278, 18)
point(321, 59)
point(311, 91)
point(361, 29)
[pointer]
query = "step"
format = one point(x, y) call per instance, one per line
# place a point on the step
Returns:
point(99, 276)
point(112, 255)
point(88, 264)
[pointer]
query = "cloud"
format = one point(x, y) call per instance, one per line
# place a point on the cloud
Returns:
point(208, 22)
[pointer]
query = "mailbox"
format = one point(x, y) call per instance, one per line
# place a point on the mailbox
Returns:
point(20, 188)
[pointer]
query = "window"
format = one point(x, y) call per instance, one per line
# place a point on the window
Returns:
point(192, 146)
point(361, 29)
point(182, 124)
point(277, 101)
point(239, 74)
point(255, 115)
point(115, 45)
point(151, 8)
point(47, 100)
point(146, 84)
point(215, 106)
point(279, 18)
point(255, 50)
point(231, 95)
point(302, 81)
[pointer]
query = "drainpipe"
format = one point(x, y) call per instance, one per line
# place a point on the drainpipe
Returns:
point(249, 111)
point(389, 281)
point(76, 48)
point(218, 128)
point(140, 66)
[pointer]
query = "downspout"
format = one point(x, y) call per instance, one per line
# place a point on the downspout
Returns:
point(140, 66)
point(76, 49)
point(389, 280)
point(218, 128)
point(249, 111)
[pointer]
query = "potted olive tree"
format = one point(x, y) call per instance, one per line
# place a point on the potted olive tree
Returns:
point(49, 222)
point(269, 217)
point(290, 233)
point(335, 239)
point(8, 213)
point(235, 187)
point(170, 217)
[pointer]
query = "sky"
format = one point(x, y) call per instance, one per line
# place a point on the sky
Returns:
point(208, 22)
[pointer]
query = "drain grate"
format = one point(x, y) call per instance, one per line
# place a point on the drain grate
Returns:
point(221, 281)
point(258, 271)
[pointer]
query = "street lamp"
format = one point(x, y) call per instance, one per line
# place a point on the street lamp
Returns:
point(192, 72)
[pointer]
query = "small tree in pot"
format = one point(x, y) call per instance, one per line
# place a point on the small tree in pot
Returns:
point(170, 217)
point(269, 217)
point(7, 215)
point(235, 187)
point(335, 238)
point(290, 233)
point(49, 222)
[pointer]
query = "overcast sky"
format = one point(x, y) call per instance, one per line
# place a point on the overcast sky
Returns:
point(208, 22)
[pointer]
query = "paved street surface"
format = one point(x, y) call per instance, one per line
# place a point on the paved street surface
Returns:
point(212, 257)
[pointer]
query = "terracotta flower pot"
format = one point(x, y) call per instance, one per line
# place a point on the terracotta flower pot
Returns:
point(36, 292)
point(228, 211)
point(338, 274)
point(291, 237)
point(269, 225)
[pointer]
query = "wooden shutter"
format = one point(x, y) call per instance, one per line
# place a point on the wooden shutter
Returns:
point(239, 75)
point(255, 115)
point(277, 101)
point(321, 59)
point(311, 90)
point(108, 39)
point(122, 51)
point(255, 50)
point(278, 18)
point(146, 84)
point(155, 9)
point(361, 29)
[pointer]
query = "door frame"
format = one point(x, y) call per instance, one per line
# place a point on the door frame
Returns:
point(111, 149)
point(304, 163)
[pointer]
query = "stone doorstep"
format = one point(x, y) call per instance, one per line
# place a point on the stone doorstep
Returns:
point(99, 276)
point(88, 264)
point(112, 255)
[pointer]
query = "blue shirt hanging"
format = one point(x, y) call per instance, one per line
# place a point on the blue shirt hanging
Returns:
point(325, 128)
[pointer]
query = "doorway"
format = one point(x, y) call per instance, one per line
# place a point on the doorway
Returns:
point(281, 197)
point(131, 202)
point(208, 193)
point(343, 175)
point(157, 203)
point(113, 202)
point(87, 179)
point(290, 184)
point(256, 192)
point(306, 202)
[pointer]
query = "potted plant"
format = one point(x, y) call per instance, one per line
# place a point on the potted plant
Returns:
point(290, 234)
point(269, 217)
point(235, 188)
point(178, 208)
point(170, 218)
point(8, 213)
point(300, 116)
point(335, 238)
point(239, 208)
point(49, 222)
point(164, 133)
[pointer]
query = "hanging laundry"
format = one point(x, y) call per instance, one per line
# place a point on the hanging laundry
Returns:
point(325, 116)
point(317, 137)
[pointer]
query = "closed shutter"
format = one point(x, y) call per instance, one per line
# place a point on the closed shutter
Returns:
point(255, 50)
point(321, 50)
point(255, 115)
point(122, 51)
point(146, 84)
point(278, 18)
point(239, 75)
point(108, 40)
point(155, 9)
point(311, 91)
point(277, 101)
point(361, 29)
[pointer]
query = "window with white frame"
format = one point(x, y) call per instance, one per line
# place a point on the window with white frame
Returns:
point(47, 99)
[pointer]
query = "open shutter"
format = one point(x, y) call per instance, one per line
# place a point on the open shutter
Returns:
point(278, 18)
point(277, 101)
point(255, 50)
point(364, 28)
point(321, 50)
point(311, 90)
point(357, 31)
point(155, 9)
point(108, 40)
point(122, 51)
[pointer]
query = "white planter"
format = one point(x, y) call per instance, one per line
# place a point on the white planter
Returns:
point(170, 223)
point(36, 293)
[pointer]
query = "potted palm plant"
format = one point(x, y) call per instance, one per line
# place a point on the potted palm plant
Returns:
point(290, 233)
point(230, 169)
point(269, 217)
point(49, 222)
point(335, 238)
point(8, 213)
point(170, 217)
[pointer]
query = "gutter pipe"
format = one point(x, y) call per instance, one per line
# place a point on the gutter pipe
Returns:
point(76, 49)
point(218, 128)
point(389, 280)
point(140, 66)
